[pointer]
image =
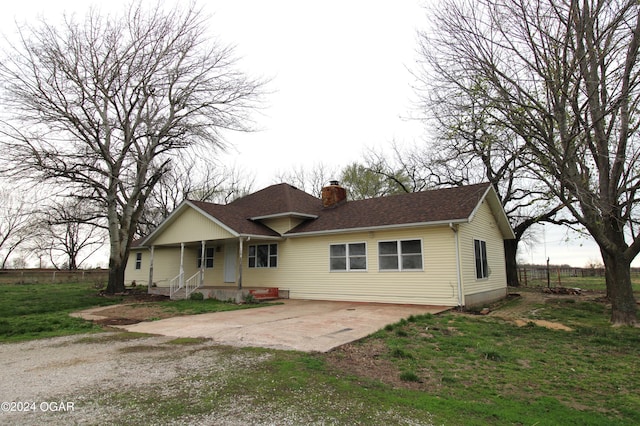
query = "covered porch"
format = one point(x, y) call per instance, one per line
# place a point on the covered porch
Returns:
point(212, 267)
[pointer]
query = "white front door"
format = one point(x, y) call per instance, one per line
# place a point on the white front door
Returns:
point(230, 261)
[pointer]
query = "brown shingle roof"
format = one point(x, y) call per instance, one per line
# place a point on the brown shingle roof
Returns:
point(277, 199)
point(237, 219)
point(273, 200)
point(441, 205)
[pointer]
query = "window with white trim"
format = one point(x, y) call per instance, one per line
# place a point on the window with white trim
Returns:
point(208, 257)
point(138, 260)
point(263, 256)
point(348, 257)
point(400, 255)
point(482, 265)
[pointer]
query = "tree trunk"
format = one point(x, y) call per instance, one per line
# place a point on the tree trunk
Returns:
point(116, 275)
point(510, 252)
point(619, 290)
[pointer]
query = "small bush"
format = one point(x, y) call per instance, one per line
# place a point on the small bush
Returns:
point(448, 379)
point(400, 353)
point(196, 296)
point(409, 376)
point(493, 356)
point(249, 298)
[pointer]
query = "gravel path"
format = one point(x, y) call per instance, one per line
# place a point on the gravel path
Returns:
point(70, 380)
point(124, 379)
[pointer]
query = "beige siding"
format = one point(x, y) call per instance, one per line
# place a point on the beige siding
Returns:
point(140, 276)
point(303, 262)
point(166, 265)
point(190, 226)
point(282, 224)
point(303, 269)
point(483, 227)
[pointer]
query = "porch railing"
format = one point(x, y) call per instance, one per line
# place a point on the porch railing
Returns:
point(176, 284)
point(191, 284)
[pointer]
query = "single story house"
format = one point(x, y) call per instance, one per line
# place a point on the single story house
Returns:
point(440, 247)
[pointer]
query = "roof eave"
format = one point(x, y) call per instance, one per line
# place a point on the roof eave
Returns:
point(261, 237)
point(286, 214)
point(498, 211)
point(378, 228)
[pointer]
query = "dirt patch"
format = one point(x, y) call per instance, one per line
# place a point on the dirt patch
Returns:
point(137, 294)
point(526, 302)
point(133, 313)
point(137, 306)
point(366, 359)
point(543, 323)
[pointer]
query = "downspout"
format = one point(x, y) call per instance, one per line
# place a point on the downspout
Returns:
point(454, 228)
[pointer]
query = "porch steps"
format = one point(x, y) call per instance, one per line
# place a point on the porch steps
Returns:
point(179, 294)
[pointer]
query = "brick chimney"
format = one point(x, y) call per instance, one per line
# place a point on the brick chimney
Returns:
point(333, 194)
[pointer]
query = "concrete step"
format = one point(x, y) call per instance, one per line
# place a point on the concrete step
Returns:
point(179, 295)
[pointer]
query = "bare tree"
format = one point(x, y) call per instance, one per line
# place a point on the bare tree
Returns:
point(67, 234)
point(197, 178)
point(103, 105)
point(563, 76)
point(16, 223)
point(405, 169)
point(471, 146)
point(309, 180)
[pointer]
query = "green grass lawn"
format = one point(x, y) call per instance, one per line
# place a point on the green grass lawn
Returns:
point(31, 311)
point(450, 369)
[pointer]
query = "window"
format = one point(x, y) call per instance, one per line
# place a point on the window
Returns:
point(138, 260)
point(348, 257)
point(482, 266)
point(208, 257)
point(405, 255)
point(263, 256)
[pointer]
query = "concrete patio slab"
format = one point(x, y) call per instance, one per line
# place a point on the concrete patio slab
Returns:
point(302, 325)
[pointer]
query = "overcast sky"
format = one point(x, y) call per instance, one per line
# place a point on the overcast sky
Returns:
point(340, 82)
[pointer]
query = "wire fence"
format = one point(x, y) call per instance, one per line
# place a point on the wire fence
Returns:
point(52, 276)
point(557, 276)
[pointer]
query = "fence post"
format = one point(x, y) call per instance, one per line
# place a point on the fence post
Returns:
point(559, 280)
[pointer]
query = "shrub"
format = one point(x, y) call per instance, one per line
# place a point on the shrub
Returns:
point(400, 353)
point(196, 296)
point(409, 376)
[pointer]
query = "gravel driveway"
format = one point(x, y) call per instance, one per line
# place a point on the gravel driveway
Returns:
point(70, 380)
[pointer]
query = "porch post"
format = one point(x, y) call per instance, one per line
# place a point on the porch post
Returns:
point(203, 252)
point(240, 263)
point(150, 284)
point(239, 297)
point(181, 265)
